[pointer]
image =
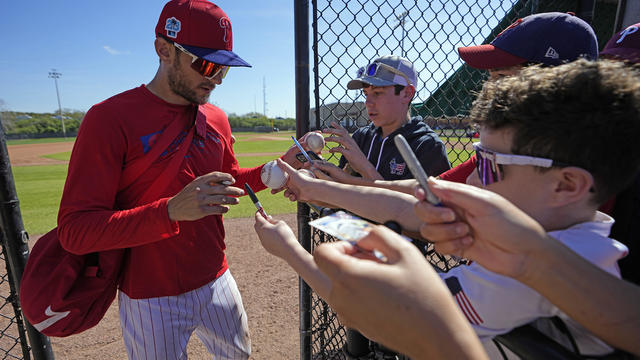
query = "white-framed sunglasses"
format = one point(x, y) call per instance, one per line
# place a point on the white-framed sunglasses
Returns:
point(489, 163)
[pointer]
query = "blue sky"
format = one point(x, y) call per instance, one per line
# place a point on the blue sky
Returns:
point(106, 47)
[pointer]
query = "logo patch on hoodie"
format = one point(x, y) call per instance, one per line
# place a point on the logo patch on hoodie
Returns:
point(396, 168)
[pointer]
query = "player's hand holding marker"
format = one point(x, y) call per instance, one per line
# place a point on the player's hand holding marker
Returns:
point(205, 195)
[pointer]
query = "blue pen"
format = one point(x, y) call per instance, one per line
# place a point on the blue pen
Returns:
point(301, 149)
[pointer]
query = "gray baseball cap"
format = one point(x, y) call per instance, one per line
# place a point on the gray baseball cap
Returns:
point(385, 71)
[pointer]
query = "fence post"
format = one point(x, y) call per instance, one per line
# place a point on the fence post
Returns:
point(16, 251)
point(301, 30)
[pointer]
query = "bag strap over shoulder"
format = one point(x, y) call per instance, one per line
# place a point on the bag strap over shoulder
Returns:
point(171, 170)
point(133, 171)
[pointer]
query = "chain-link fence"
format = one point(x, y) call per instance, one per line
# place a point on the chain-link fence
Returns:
point(12, 334)
point(14, 331)
point(348, 34)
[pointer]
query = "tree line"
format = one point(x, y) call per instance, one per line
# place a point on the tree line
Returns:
point(27, 124)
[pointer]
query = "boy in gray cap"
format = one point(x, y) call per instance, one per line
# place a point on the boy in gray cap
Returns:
point(389, 84)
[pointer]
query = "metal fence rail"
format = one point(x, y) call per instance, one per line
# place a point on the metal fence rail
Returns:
point(348, 34)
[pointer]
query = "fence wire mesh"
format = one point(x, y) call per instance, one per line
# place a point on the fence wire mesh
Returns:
point(348, 34)
point(13, 344)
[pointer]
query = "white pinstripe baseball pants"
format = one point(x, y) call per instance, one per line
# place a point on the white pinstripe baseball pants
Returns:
point(160, 328)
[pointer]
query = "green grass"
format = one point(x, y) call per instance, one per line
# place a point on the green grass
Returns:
point(40, 141)
point(262, 146)
point(64, 156)
point(40, 187)
point(39, 191)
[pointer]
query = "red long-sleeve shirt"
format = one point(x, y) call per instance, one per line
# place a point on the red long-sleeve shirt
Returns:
point(165, 257)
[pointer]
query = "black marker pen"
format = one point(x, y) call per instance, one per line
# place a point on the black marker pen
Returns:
point(255, 200)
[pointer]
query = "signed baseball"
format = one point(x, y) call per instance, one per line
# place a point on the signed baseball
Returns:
point(315, 142)
point(272, 176)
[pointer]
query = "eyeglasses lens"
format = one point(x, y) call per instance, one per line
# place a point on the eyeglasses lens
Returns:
point(209, 69)
point(371, 70)
point(488, 170)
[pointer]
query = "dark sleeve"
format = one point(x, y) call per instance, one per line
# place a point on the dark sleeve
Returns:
point(432, 155)
point(626, 229)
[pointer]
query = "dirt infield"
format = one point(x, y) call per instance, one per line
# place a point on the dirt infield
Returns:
point(32, 154)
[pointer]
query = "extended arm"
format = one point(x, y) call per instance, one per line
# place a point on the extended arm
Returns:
point(278, 239)
point(376, 204)
point(418, 316)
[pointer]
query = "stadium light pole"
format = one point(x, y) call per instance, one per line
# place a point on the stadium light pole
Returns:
point(401, 24)
point(55, 75)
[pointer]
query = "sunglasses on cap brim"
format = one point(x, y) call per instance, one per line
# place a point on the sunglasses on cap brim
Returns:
point(489, 163)
point(206, 68)
point(375, 67)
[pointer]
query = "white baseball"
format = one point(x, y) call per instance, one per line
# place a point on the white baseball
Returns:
point(315, 142)
point(272, 176)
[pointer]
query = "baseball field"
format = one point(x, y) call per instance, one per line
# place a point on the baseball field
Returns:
point(269, 287)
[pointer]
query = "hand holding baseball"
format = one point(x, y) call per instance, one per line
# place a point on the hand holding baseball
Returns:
point(299, 185)
point(205, 195)
point(273, 176)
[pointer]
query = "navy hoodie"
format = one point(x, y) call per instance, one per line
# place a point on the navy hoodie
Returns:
point(386, 158)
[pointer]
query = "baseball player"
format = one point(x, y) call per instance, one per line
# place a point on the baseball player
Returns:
point(175, 278)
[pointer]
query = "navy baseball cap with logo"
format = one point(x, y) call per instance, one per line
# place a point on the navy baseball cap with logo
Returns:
point(624, 45)
point(551, 39)
point(202, 28)
point(386, 71)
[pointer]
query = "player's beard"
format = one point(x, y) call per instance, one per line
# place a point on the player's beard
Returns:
point(179, 85)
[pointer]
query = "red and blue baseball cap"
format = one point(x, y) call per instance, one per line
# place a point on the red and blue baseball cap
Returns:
point(551, 39)
point(624, 45)
point(202, 28)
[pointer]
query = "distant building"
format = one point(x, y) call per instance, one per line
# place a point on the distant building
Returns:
point(349, 115)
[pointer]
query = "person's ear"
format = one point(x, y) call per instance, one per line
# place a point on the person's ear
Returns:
point(409, 92)
point(573, 184)
point(164, 50)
